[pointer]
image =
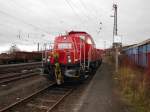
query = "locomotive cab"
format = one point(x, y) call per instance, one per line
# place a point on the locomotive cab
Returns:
point(65, 48)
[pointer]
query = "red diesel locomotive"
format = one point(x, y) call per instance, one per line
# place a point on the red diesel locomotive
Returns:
point(74, 55)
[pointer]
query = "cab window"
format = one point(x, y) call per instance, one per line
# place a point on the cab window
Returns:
point(65, 45)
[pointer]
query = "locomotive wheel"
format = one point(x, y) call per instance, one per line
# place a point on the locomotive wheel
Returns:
point(48, 69)
point(51, 74)
point(82, 76)
point(90, 71)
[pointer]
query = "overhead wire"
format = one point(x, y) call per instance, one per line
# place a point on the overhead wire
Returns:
point(95, 17)
point(83, 11)
point(95, 21)
point(37, 27)
point(73, 10)
point(22, 21)
point(29, 10)
point(26, 23)
point(85, 15)
point(87, 9)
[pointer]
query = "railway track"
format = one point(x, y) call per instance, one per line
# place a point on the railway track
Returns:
point(13, 72)
point(19, 67)
point(44, 100)
point(10, 77)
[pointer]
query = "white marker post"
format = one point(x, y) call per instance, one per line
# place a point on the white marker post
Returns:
point(117, 41)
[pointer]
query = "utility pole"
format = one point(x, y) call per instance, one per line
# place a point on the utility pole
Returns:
point(19, 34)
point(104, 44)
point(115, 29)
point(38, 46)
point(115, 34)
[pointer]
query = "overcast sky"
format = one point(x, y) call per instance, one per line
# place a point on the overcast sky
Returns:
point(26, 22)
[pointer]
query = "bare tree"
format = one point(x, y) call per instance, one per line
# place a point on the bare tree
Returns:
point(13, 49)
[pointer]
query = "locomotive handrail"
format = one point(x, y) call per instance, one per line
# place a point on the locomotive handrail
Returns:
point(89, 57)
point(84, 56)
point(82, 64)
point(45, 53)
point(75, 48)
point(80, 53)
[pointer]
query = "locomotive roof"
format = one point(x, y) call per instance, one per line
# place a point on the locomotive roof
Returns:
point(76, 32)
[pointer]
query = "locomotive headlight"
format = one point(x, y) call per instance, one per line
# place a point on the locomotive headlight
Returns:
point(69, 59)
point(48, 60)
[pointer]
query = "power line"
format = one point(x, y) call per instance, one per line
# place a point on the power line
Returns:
point(19, 36)
point(29, 11)
point(84, 6)
point(26, 8)
point(22, 21)
point(69, 4)
point(87, 8)
point(85, 14)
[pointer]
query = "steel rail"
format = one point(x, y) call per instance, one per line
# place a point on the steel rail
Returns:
point(21, 64)
point(26, 98)
point(9, 75)
point(23, 76)
point(60, 100)
point(18, 67)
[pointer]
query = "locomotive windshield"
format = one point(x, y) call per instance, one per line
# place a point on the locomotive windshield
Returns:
point(64, 45)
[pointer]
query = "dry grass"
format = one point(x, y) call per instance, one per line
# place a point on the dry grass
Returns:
point(134, 87)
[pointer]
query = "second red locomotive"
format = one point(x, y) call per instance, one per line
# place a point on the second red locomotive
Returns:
point(73, 56)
